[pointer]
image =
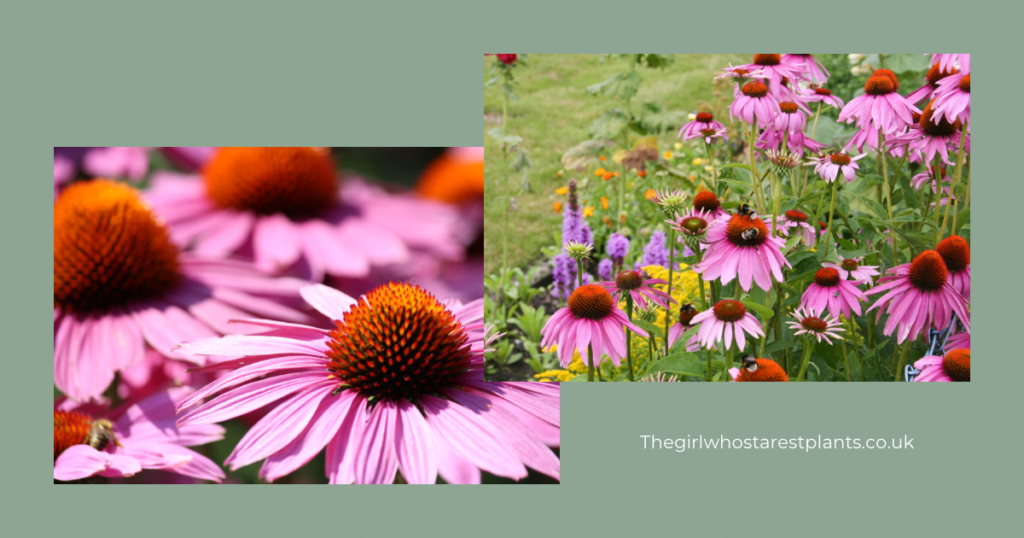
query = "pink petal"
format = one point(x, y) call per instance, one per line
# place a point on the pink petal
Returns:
point(80, 461)
point(328, 301)
point(275, 243)
point(414, 446)
point(321, 429)
point(375, 461)
point(280, 426)
point(472, 438)
point(249, 397)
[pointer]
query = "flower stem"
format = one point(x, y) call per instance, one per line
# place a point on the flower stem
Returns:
point(888, 194)
point(903, 360)
point(671, 266)
point(807, 359)
point(755, 182)
point(590, 363)
point(579, 272)
point(831, 215)
point(937, 195)
point(816, 114)
point(967, 199)
point(708, 353)
point(956, 179)
point(700, 280)
point(629, 315)
point(728, 358)
point(849, 372)
point(711, 163)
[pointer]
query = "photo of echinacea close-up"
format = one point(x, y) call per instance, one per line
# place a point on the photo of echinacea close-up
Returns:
point(728, 217)
point(300, 315)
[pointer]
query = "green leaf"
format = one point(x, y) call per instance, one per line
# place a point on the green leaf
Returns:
point(779, 345)
point(505, 139)
point(765, 312)
point(610, 125)
point(686, 364)
point(621, 86)
point(649, 327)
point(658, 121)
point(961, 219)
point(875, 207)
point(909, 193)
point(902, 63)
point(522, 161)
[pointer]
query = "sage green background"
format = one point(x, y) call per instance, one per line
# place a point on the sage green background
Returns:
point(390, 74)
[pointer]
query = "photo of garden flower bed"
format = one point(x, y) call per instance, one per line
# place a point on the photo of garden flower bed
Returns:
point(714, 218)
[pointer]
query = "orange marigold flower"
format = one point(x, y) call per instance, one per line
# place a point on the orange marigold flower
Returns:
point(557, 206)
point(599, 172)
point(650, 194)
point(608, 175)
point(642, 173)
point(602, 158)
point(604, 202)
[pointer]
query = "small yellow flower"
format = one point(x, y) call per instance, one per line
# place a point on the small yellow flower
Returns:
point(588, 211)
point(668, 155)
point(604, 202)
point(555, 375)
point(698, 161)
point(600, 172)
point(562, 191)
point(708, 168)
point(691, 117)
point(678, 146)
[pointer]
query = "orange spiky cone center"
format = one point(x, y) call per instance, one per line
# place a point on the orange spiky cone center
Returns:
point(591, 301)
point(109, 249)
point(955, 252)
point(730, 310)
point(928, 272)
point(767, 370)
point(295, 182)
point(957, 364)
point(737, 231)
point(398, 342)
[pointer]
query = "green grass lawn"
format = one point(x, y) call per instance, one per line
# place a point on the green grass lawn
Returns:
point(554, 113)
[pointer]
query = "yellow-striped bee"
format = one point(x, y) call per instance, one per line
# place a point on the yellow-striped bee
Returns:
point(101, 434)
point(749, 363)
point(746, 210)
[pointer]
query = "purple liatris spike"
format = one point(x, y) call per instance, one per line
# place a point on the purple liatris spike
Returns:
point(655, 252)
point(604, 269)
point(618, 247)
point(564, 274)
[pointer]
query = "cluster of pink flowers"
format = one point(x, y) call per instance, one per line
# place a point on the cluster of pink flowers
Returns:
point(772, 95)
point(201, 299)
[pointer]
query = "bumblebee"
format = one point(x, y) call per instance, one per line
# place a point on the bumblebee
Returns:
point(746, 210)
point(749, 363)
point(687, 308)
point(101, 434)
point(749, 234)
